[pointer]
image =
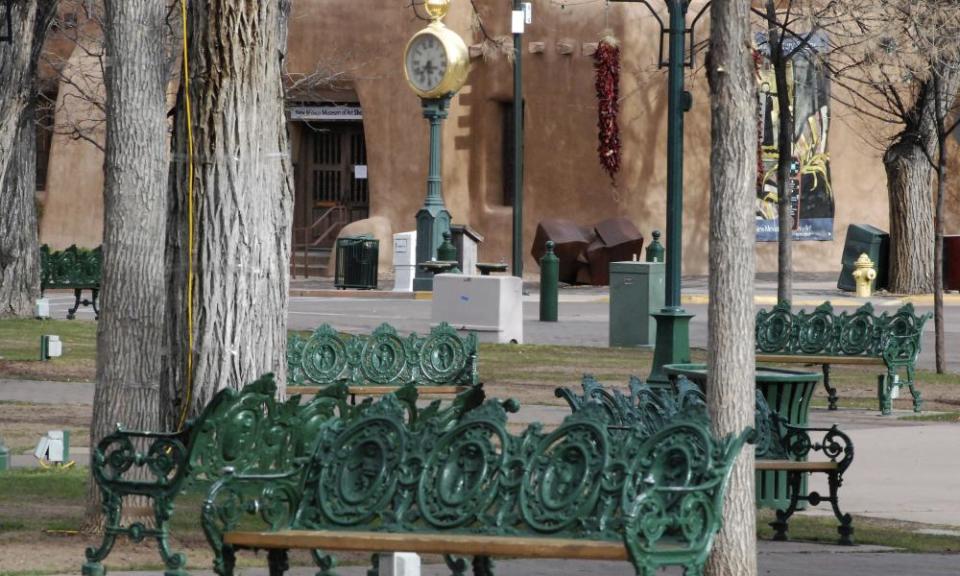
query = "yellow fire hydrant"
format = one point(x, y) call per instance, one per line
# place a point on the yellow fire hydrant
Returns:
point(864, 275)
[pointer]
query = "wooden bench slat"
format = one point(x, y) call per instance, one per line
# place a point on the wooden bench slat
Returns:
point(380, 390)
point(789, 465)
point(457, 544)
point(796, 359)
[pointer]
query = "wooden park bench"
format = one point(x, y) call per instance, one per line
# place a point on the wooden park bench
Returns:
point(378, 484)
point(76, 269)
point(780, 446)
point(247, 431)
point(862, 338)
point(441, 363)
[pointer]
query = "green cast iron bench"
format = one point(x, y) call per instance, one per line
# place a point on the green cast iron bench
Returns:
point(443, 362)
point(376, 484)
point(76, 269)
point(862, 338)
point(780, 446)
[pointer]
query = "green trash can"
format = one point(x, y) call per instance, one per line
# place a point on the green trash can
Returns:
point(357, 262)
point(875, 243)
point(786, 391)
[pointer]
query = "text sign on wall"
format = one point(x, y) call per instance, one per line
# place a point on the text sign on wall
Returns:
point(330, 112)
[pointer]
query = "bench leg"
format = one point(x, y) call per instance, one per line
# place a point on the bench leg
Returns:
point(482, 566)
point(845, 529)
point(225, 564)
point(693, 570)
point(325, 562)
point(457, 564)
point(831, 391)
point(72, 313)
point(96, 309)
point(885, 393)
point(782, 524)
point(917, 402)
point(278, 562)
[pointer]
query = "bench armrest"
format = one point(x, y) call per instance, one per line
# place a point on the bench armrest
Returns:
point(903, 349)
point(834, 444)
point(140, 462)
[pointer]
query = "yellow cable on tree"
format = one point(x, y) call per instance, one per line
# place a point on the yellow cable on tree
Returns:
point(186, 97)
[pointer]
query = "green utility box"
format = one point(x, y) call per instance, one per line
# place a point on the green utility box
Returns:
point(863, 238)
point(636, 291)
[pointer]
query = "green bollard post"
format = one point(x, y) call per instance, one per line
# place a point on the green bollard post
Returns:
point(447, 252)
point(655, 250)
point(4, 456)
point(549, 284)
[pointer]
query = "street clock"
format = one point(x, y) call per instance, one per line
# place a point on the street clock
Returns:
point(436, 61)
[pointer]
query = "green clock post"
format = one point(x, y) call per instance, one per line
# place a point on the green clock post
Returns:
point(436, 63)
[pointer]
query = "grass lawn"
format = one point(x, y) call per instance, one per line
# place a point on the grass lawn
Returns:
point(20, 350)
point(528, 373)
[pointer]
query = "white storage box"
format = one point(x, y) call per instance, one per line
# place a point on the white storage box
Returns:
point(491, 306)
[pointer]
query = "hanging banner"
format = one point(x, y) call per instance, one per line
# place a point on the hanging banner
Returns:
point(810, 189)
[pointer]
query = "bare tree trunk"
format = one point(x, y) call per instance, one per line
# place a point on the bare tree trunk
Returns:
point(19, 243)
point(911, 215)
point(130, 331)
point(784, 158)
point(730, 353)
point(243, 196)
point(940, 110)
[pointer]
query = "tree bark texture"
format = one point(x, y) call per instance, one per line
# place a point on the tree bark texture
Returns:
point(911, 214)
point(784, 157)
point(130, 333)
point(943, 103)
point(19, 242)
point(243, 198)
point(730, 351)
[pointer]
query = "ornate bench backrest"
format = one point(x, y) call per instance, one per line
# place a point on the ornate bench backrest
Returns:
point(578, 481)
point(825, 333)
point(70, 268)
point(383, 358)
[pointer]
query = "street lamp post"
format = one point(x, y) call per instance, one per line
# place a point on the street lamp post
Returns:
point(517, 28)
point(673, 322)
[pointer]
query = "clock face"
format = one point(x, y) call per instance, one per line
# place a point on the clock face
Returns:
point(426, 62)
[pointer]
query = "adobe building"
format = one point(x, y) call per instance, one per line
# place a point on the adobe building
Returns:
point(359, 140)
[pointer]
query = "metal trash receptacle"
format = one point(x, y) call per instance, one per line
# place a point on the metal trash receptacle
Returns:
point(357, 262)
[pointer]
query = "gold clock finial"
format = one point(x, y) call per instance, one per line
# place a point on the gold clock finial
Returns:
point(437, 9)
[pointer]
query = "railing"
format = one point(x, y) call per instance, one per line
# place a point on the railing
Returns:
point(329, 223)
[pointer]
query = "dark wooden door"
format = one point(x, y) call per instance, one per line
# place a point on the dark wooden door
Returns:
point(335, 169)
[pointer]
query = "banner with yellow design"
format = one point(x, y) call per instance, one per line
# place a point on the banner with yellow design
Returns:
point(811, 193)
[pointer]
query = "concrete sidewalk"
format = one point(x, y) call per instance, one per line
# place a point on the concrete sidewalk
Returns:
point(774, 558)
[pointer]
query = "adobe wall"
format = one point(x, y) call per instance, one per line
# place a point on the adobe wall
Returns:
point(563, 177)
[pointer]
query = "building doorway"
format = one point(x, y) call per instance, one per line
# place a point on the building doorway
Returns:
point(332, 184)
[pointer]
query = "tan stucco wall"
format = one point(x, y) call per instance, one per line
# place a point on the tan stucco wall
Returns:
point(563, 177)
point(365, 39)
point(73, 201)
